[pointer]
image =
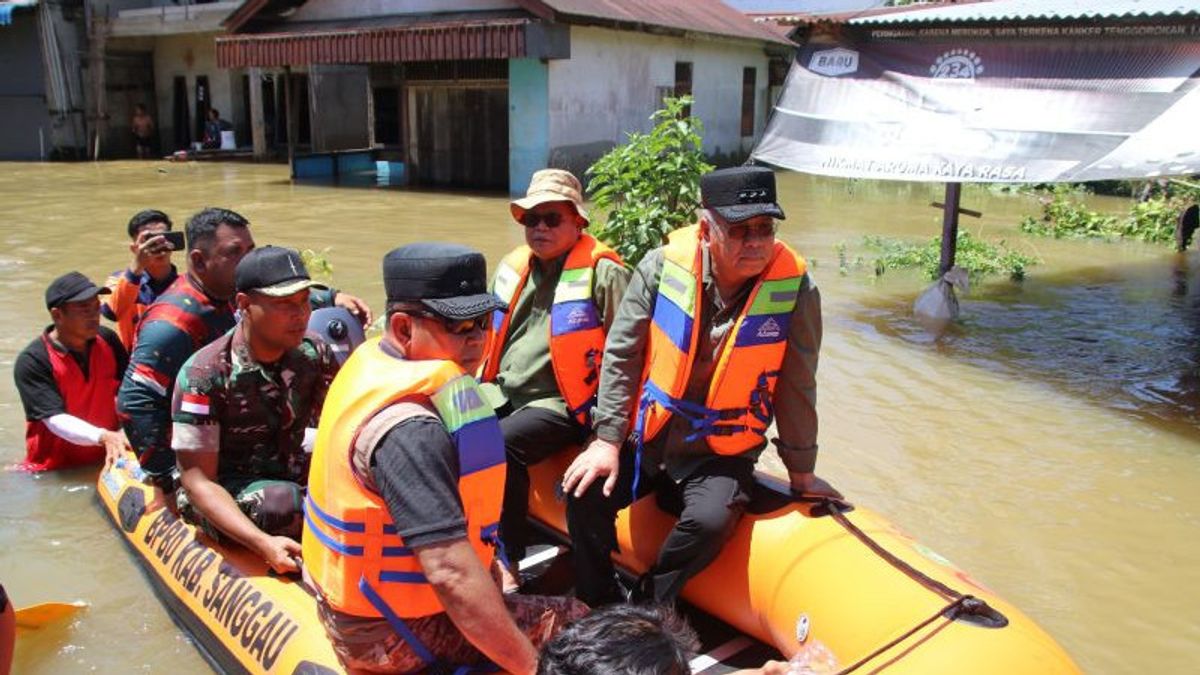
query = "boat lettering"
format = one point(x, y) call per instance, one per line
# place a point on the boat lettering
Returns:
point(191, 564)
point(234, 603)
point(165, 535)
point(229, 598)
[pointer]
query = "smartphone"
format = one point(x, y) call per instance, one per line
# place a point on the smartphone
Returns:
point(174, 240)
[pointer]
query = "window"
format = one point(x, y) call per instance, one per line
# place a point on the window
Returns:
point(387, 115)
point(683, 82)
point(749, 79)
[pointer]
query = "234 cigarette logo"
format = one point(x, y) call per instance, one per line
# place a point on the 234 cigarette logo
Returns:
point(960, 64)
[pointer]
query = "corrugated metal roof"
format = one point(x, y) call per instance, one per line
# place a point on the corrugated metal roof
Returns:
point(699, 16)
point(1038, 10)
point(495, 39)
point(808, 19)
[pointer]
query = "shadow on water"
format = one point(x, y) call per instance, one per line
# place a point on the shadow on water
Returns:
point(1127, 338)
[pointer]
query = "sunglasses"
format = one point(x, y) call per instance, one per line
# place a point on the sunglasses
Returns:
point(743, 232)
point(552, 219)
point(457, 326)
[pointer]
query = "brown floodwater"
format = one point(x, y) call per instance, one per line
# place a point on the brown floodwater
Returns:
point(1046, 443)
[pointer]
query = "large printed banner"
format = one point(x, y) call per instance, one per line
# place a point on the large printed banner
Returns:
point(993, 105)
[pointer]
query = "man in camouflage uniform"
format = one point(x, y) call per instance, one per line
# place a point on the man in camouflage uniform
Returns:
point(244, 407)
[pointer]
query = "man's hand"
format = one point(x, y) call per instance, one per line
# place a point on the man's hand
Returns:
point(768, 668)
point(600, 459)
point(355, 306)
point(808, 485)
point(115, 444)
point(279, 553)
point(147, 247)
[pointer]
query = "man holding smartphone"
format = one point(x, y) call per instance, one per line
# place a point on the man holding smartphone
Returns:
point(148, 275)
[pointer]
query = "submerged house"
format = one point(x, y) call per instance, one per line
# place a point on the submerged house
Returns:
point(42, 113)
point(482, 93)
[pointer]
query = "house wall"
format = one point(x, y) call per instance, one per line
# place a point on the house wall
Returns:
point(339, 107)
point(325, 10)
point(23, 116)
point(190, 56)
point(614, 81)
point(528, 121)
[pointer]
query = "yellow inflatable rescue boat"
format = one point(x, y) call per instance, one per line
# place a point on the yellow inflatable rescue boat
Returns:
point(795, 576)
point(241, 617)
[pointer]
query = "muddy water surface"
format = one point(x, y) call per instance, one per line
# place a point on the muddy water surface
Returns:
point(1047, 443)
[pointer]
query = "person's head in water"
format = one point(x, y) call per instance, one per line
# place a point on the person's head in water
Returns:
point(551, 212)
point(622, 640)
point(272, 294)
point(142, 228)
point(438, 305)
point(217, 240)
point(74, 306)
point(737, 221)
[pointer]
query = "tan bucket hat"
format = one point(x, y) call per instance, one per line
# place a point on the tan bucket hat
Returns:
point(550, 185)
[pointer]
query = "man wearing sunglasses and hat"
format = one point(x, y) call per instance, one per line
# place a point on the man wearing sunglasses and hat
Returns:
point(68, 379)
point(717, 338)
point(243, 407)
point(406, 483)
point(562, 290)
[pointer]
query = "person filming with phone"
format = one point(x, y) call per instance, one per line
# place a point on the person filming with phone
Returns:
point(151, 271)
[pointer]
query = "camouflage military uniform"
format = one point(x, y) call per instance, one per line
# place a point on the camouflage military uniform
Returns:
point(254, 415)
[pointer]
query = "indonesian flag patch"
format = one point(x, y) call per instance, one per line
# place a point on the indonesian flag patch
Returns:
point(196, 404)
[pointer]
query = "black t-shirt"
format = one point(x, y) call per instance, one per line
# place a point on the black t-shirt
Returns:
point(415, 467)
point(35, 376)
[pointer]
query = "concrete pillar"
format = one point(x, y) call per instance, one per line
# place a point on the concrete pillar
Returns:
point(528, 121)
point(258, 124)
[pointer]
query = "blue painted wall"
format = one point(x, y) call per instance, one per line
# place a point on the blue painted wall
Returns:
point(528, 121)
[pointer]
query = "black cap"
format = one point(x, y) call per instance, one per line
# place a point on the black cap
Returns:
point(72, 287)
point(274, 271)
point(447, 278)
point(740, 193)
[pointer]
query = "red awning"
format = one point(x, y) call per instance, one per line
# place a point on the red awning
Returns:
point(491, 39)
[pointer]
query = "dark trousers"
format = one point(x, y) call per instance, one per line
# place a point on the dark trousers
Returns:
point(530, 436)
point(709, 503)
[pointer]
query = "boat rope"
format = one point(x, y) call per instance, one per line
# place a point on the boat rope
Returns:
point(835, 511)
point(968, 607)
point(948, 611)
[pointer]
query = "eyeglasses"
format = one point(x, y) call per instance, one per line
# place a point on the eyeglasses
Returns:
point(552, 219)
point(741, 232)
point(457, 326)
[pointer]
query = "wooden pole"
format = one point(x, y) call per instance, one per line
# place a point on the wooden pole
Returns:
point(258, 124)
point(950, 227)
point(289, 95)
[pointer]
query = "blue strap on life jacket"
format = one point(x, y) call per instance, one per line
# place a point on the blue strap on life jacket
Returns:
point(414, 642)
point(396, 622)
point(703, 420)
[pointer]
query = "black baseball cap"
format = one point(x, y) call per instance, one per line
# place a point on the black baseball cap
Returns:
point(72, 287)
point(274, 271)
point(449, 279)
point(740, 193)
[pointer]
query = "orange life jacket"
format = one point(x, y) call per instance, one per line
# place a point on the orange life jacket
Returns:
point(739, 406)
point(351, 548)
point(92, 399)
point(576, 328)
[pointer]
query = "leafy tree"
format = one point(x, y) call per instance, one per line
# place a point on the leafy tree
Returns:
point(650, 185)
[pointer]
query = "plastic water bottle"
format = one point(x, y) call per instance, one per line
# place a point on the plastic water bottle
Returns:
point(814, 658)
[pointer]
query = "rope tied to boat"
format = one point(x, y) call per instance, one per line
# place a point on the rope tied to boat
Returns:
point(960, 606)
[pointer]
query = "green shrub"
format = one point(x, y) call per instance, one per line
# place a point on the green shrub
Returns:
point(979, 258)
point(1152, 220)
point(650, 185)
